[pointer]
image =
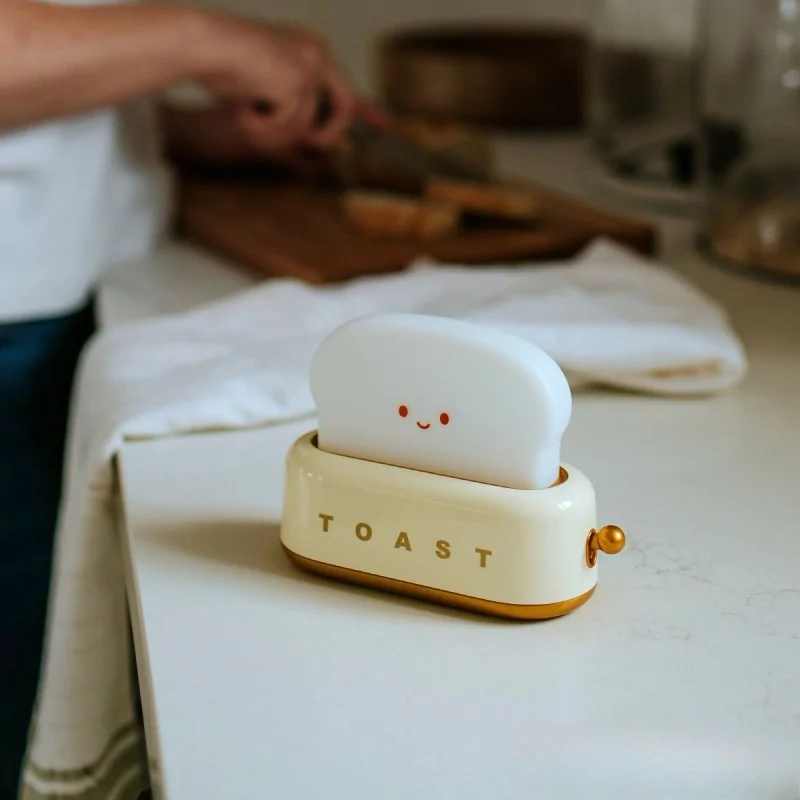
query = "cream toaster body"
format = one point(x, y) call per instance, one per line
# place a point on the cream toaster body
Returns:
point(519, 554)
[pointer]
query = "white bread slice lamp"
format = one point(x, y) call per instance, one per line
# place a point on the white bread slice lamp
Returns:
point(436, 471)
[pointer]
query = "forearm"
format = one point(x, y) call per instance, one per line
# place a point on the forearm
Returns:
point(58, 60)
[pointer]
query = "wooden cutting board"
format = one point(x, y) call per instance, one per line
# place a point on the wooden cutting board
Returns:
point(291, 230)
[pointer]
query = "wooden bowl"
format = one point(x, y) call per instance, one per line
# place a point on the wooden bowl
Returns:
point(500, 76)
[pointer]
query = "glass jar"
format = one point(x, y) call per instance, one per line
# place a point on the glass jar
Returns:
point(641, 91)
point(750, 100)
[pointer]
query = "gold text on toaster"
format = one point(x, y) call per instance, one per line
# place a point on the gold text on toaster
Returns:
point(403, 542)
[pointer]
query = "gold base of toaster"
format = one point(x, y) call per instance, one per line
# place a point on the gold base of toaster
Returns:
point(439, 596)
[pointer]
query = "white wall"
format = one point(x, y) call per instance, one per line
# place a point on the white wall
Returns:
point(352, 25)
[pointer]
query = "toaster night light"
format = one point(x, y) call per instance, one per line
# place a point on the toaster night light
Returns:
point(435, 471)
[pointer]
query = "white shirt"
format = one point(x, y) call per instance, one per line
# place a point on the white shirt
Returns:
point(76, 197)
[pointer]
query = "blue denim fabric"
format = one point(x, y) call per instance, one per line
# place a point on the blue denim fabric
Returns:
point(37, 365)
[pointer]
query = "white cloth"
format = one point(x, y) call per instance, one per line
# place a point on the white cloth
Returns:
point(77, 196)
point(608, 318)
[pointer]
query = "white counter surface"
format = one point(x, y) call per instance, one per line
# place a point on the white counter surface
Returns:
point(679, 679)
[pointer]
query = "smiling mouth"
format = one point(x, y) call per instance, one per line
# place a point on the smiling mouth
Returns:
point(424, 427)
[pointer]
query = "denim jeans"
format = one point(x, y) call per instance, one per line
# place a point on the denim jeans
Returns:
point(37, 365)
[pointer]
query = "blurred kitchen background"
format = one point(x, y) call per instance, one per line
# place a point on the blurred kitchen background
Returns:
point(353, 26)
point(687, 108)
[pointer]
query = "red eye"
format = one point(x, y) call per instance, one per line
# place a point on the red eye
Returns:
point(444, 418)
point(403, 411)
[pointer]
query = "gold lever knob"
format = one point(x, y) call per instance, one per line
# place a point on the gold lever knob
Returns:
point(610, 539)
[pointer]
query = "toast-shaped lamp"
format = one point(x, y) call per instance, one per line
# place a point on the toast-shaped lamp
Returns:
point(436, 471)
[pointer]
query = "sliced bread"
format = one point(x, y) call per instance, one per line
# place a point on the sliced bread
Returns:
point(489, 200)
point(387, 214)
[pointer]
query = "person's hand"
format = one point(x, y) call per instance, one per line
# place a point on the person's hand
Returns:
point(281, 86)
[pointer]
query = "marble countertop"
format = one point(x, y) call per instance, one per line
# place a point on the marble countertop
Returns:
point(678, 679)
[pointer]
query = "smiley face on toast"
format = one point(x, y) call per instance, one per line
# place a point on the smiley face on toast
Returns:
point(444, 396)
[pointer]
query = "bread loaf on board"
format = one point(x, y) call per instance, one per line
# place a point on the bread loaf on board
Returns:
point(387, 214)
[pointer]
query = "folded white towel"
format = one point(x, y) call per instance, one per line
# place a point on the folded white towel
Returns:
point(607, 318)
